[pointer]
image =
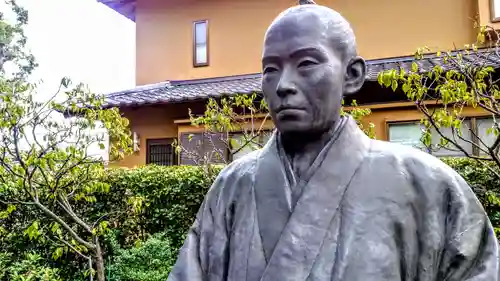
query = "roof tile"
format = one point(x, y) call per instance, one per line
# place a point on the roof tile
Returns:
point(186, 90)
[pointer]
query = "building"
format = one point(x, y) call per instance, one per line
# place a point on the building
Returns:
point(189, 50)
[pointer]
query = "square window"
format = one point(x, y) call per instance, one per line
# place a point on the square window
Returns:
point(160, 152)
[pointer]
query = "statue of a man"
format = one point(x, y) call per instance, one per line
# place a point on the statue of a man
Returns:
point(321, 201)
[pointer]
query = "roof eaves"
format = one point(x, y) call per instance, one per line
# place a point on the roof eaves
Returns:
point(124, 7)
point(200, 89)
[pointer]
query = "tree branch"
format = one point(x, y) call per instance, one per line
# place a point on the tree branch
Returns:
point(73, 248)
point(63, 202)
point(52, 215)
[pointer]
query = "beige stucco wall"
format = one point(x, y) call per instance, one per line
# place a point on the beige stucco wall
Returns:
point(384, 28)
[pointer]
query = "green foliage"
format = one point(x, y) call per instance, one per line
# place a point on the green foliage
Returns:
point(143, 245)
point(13, 42)
point(46, 163)
point(233, 114)
point(148, 261)
point(48, 177)
point(248, 116)
point(141, 203)
point(463, 80)
point(169, 196)
point(32, 268)
point(484, 183)
point(358, 113)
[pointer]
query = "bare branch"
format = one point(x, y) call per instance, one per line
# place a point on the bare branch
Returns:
point(52, 215)
point(74, 249)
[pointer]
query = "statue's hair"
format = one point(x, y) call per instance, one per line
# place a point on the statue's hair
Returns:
point(337, 26)
point(306, 2)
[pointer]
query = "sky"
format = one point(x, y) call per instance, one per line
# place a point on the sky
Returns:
point(84, 40)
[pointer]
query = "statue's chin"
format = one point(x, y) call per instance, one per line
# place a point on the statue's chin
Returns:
point(294, 128)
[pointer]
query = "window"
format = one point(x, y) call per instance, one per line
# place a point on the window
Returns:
point(464, 140)
point(203, 146)
point(160, 152)
point(495, 10)
point(410, 133)
point(407, 133)
point(200, 38)
point(238, 140)
point(487, 132)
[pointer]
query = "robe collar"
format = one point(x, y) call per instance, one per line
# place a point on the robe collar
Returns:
point(321, 197)
point(292, 177)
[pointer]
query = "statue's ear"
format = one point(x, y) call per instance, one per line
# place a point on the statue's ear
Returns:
point(355, 75)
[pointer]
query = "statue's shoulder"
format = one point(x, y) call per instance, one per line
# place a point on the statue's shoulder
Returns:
point(232, 179)
point(237, 170)
point(411, 160)
point(242, 165)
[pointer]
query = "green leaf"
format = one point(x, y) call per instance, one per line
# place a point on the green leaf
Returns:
point(405, 87)
point(380, 78)
point(57, 253)
point(414, 67)
point(32, 231)
point(394, 85)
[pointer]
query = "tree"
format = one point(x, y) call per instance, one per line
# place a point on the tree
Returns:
point(243, 123)
point(245, 114)
point(47, 165)
point(465, 79)
point(13, 43)
point(47, 168)
point(32, 267)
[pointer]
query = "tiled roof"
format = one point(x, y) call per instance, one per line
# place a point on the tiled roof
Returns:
point(124, 7)
point(186, 90)
point(180, 91)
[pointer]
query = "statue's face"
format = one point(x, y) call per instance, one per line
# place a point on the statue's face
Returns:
point(303, 74)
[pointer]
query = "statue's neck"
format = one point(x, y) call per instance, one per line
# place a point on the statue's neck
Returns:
point(302, 149)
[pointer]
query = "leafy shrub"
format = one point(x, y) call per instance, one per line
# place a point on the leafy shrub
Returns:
point(484, 183)
point(32, 267)
point(148, 261)
point(168, 199)
point(144, 246)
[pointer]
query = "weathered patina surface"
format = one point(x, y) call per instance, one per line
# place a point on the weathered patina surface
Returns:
point(322, 201)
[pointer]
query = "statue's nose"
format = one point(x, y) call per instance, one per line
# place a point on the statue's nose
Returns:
point(286, 86)
point(285, 90)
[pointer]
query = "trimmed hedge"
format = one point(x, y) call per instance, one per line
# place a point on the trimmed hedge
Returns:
point(144, 246)
point(171, 195)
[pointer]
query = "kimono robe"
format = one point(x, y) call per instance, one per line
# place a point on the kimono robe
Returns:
point(367, 210)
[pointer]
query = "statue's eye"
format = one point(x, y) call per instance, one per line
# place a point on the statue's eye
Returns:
point(269, 69)
point(306, 63)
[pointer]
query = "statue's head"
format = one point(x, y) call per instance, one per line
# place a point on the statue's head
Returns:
point(309, 63)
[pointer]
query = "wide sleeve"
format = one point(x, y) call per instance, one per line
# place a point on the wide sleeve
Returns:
point(193, 260)
point(471, 249)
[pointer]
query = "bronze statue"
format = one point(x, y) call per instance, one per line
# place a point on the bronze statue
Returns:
point(321, 201)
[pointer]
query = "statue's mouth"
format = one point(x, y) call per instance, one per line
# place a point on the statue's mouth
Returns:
point(290, 113)
point(287, 108)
